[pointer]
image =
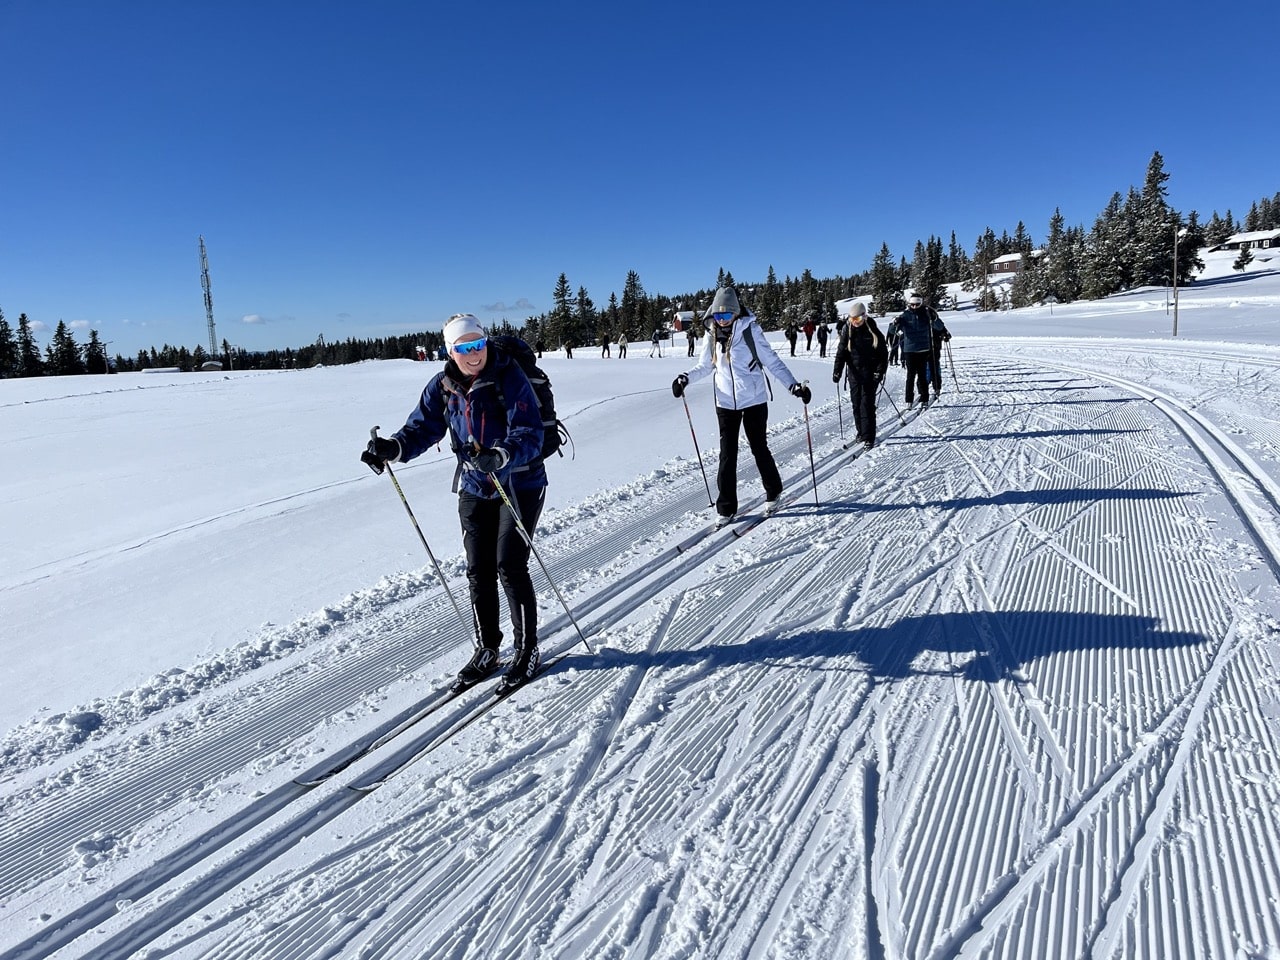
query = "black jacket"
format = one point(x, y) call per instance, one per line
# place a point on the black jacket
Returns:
point(863, 349)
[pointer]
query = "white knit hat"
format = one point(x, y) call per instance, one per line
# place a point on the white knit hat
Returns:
point(459, 326)
point(859, 309)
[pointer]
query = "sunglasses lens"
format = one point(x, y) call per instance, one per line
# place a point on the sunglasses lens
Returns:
point(722, 317)
point(472, 346)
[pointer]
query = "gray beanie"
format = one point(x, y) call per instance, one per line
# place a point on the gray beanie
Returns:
point(859, 309)
point(725, 301)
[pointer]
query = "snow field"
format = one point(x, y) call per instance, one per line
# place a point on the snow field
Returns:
point(1007, 691)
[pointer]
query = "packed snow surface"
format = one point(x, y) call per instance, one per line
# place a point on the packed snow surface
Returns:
point(1003, 686)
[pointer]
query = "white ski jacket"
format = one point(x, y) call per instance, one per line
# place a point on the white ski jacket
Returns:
point(737, 386)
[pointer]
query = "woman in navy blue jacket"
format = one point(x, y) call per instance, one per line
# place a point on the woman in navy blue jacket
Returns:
point(916, 325)
point(484, 401)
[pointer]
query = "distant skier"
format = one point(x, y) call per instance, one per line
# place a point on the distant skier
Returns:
point(655, 343)
point(862, 352)
point(823, 334)
point(809, 327)
point(736, 352)
point(483, 399)
point(791, 334)
point(688, 332)
point(916, 325)
point(895, 344)
point(622, 345)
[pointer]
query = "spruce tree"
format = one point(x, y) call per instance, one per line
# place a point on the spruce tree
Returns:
point(8, 349)
point(95, 355)
point(615, 316)
point(560, 323)
point(1190, 244)
point(586, 318)
point(885, 291)
point(29, 362)
point(1245, 258)
point(63, 354)
point(632, 294)
point(1153, 224)
point(771, 301)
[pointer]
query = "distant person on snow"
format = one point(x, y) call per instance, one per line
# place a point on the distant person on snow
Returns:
point(809, 327)
point(862, 352)
point(688, 332)
point(736, 352)
point(484, 401)
point(791, 333)
point(916, 326)
point(823, 334)
point(655, 343)
point(622, 345)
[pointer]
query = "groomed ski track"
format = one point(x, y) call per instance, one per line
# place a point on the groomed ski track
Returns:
point(852, 704)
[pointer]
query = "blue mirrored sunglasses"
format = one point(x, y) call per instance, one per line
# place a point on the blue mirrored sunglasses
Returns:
point(722, 317)
point(471, 346)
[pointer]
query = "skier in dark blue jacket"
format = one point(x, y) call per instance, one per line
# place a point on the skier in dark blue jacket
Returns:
point(484, 401)
point(916, 326)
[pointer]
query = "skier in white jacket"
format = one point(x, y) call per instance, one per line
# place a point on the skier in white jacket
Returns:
point(737, 352)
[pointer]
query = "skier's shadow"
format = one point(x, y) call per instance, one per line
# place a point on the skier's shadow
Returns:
point(1004, 498)
point(981, 648)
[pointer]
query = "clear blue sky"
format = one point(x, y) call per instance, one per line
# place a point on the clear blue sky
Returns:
point(360, 169)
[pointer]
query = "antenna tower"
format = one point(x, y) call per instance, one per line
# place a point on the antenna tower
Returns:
point(208, 300)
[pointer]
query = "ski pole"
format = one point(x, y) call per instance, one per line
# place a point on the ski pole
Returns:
point(952, 364)
point(812, 469)
point(439, 573)
point(840, 408)
point(710, 501)
point(901, 418)
point(524, 534)
point(848, 389)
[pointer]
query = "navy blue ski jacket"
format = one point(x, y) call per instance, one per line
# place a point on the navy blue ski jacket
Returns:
point(498, 409)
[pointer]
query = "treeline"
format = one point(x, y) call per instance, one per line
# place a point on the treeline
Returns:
point(1131, 244)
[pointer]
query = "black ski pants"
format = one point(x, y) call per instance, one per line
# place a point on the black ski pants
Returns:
point(754, 421)
point(917, 365)
point(496, 550)
point(862, 394)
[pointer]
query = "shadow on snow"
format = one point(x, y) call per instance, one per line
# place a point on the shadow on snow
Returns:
point(984, 648)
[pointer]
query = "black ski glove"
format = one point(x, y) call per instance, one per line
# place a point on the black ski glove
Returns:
point(380, 452)
point(835, 378)
point(491, 460)
point(946, 338)
point(879, 377)
point(678, 385)
point(801, 391)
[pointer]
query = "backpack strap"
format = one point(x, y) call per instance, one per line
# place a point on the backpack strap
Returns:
point(750, 339)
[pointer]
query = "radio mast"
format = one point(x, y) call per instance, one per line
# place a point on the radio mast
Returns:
point(208, 301)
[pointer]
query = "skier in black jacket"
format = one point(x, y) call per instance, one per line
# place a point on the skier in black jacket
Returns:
point(862, 352)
